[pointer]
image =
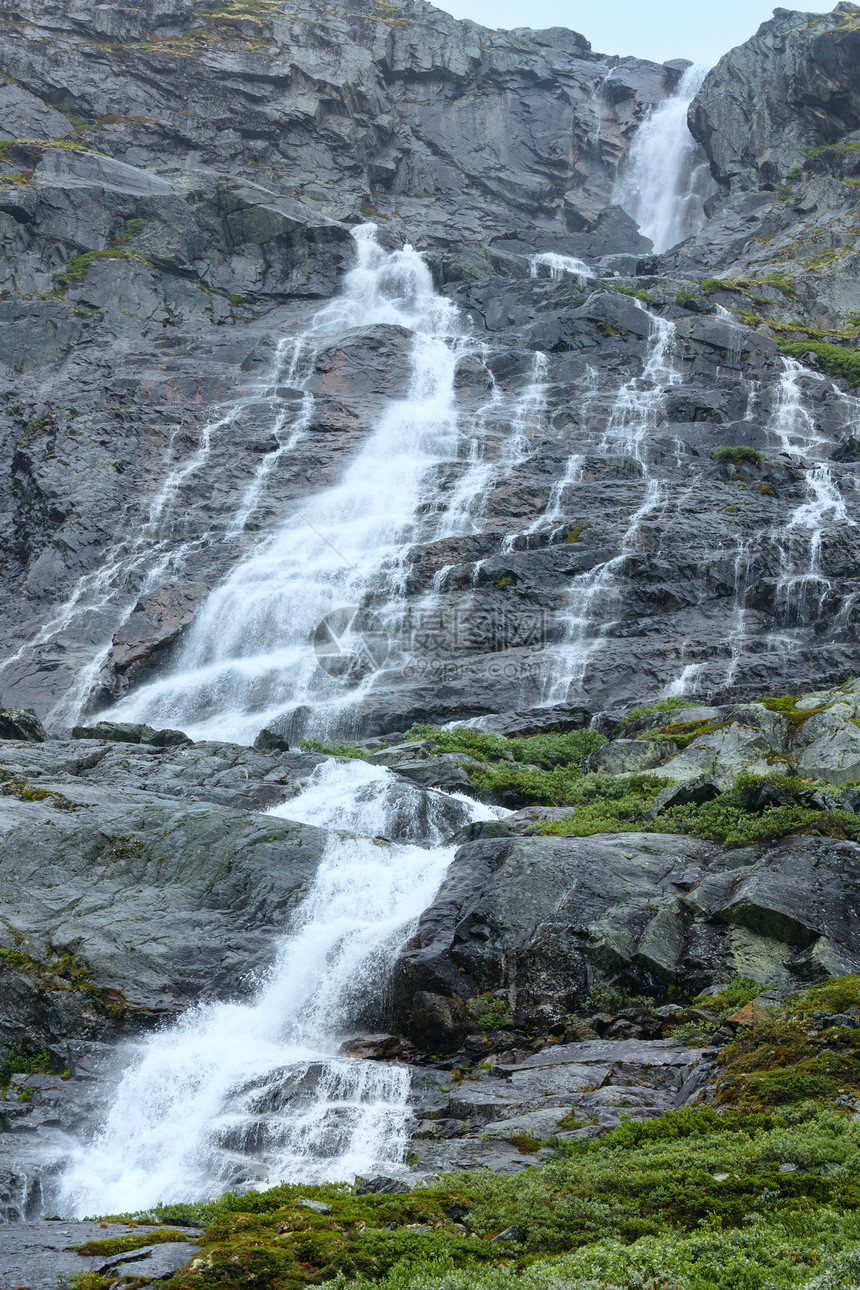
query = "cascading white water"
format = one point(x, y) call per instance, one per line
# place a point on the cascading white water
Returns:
point(665, 180)
point(159, 550)
point(558, 265)
point(247, 657)
point(254, 1092)
point(802, 586)
point(591, 601)
point(791, 421)
point(640, 400)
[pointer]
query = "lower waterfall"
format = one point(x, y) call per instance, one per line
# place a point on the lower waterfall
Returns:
point(250, 1093)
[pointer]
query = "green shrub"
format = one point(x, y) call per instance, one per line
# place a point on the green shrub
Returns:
point(661, 705)
point(738, 453)
point(624, 806)
point(740, 991)
point(334, 750)
point(489, 1013)
point(19, 1062)
point(544, 750)
point(694, 1200)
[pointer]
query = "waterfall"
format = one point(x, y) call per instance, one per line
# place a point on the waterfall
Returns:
point(253, 1092)
point(591, 601)
point(665, 180)
point(634, 416)
point(639, 402)
point(802, 587)
point(247, 658)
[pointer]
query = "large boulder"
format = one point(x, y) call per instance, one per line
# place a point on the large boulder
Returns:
point(158, 903)
point(21, 723)
point(536, 920)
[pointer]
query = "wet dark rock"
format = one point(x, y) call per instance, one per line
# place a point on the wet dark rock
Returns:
point(130, 733)
point(553, 718)
point(381, 1048)
point(538, 918)
point(691, 793)
point(38, 1255)
point(448, 771)
point(156, 623)
point(21, 723)
point(380, 1185)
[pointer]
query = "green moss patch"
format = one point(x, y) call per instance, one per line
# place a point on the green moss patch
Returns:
point(334, 750)
point(78, 268)
point(12, 786)
point(651, 709)
point(786, 706)
point(62, 972)
point(682, 733)
point(837, 360)
point(134, 1241)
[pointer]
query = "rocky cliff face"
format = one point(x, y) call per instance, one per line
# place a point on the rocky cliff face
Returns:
point(180, 179)
point(180, 186)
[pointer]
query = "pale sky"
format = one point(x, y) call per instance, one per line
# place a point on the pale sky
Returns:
point(656, 29)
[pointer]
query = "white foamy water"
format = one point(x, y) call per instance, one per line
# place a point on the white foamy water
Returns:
point(639, 403)
point(665, 180)
point(254, 1092)
point(557, 266)
point(591, 603)
point(247, 656)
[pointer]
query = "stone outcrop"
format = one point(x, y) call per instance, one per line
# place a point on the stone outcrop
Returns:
point(536, 921)
point(778, 118)
point(498, 1118)
point(793, 86)
point(142, 901)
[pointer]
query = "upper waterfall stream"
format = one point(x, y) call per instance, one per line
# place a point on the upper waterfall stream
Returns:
point(665, 180)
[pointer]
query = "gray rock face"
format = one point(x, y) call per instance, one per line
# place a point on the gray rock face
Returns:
point(37, 1254)
point(164, 901)
point(201, 207)
point(778, 118)
point(800, 73)
point(537, 920)
point(563, 1093)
